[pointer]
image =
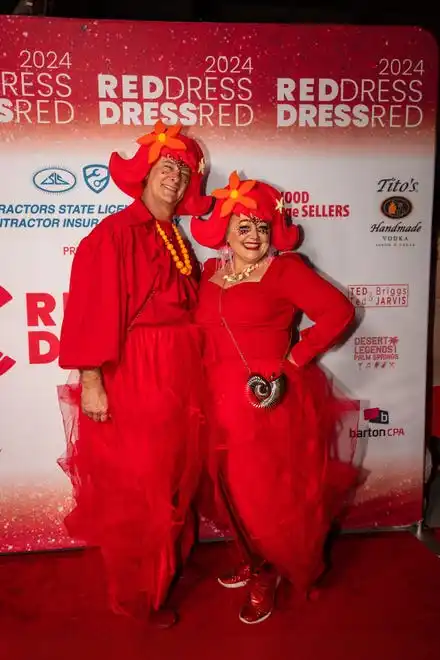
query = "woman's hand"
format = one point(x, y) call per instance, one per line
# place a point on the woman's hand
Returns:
point(94, 402)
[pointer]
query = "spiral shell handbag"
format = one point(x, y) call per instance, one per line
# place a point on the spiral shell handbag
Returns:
point(260, 392)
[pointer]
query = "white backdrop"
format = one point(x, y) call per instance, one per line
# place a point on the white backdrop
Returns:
point(384, 270)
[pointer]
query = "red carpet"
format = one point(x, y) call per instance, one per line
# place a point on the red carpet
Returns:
point(380, 602)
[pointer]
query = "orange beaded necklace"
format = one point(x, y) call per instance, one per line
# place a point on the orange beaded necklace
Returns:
point(184, 266)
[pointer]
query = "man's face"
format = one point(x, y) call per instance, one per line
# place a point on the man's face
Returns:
point(168, 180)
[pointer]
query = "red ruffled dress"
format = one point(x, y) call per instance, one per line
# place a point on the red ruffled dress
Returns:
point(282, 475)
point(130, 312)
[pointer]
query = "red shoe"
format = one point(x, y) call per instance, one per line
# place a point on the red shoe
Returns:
point(239, 578)
point(163, 618)
point(260, 601)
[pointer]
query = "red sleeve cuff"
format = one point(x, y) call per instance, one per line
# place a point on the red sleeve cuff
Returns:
point(301, 354)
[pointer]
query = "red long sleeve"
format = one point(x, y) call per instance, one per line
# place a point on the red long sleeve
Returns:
point(325, 305)
point(95, 318)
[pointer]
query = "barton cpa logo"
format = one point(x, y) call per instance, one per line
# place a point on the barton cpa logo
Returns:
point(375, 423)
point(396, 208)
point(96, 177)
point(54, 180)
point(376, 416)
point(6, 362)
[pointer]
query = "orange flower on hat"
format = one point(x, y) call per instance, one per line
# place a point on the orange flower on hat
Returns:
point(161, 136)
point(235, 194)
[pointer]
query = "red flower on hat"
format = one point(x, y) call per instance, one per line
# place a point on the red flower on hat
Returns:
point(161, 136)
point(234, 194)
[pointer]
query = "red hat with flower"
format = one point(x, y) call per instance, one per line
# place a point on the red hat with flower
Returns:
point(252, 198)
point(129, 174)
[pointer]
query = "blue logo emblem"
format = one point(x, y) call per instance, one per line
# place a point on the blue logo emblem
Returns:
point(54, 180)
point(96, 177)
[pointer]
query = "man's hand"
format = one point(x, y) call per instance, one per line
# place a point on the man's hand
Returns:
point(94, 402)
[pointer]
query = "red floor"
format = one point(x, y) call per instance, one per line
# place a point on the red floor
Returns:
point(382, 601)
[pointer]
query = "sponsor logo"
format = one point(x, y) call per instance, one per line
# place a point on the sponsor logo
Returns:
point(376, 352)
point(379, 295)
point(393, 185)
point(96, 177)
point(298, 204)
point(375, 423)
point(6, 362)
point(53, 216)
point(396, 208)
point(54, 180)
point(377, 416)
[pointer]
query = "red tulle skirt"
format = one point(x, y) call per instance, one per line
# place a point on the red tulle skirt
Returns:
point(134, 478)
point(282, 476)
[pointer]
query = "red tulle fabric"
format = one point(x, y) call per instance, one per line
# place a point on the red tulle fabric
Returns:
point(282, 475)
point(134, 477)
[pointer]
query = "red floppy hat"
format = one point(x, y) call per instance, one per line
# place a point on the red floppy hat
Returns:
point(129, 174)
point(253, 199)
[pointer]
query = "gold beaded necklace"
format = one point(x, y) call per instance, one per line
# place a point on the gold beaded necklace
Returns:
point(185, 266)
point(233, 278)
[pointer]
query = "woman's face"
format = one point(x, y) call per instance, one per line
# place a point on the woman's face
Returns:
point(249, 238)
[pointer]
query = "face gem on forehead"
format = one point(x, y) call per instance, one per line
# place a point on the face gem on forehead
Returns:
point(243, 227)
point(255, 220)
point(177, 161)
point(262, 225)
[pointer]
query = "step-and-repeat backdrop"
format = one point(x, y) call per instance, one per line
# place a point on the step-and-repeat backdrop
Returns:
point(342, 118)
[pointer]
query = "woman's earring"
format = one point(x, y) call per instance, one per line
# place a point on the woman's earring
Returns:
point(226, 255)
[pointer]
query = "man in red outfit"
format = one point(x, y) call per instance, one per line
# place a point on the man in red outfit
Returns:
point(133, 419)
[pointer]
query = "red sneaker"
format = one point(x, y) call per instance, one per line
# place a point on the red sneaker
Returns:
point(237, 579)
point(260, 600)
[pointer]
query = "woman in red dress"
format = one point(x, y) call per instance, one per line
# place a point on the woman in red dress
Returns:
point(273, 419)
point(133, 420)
